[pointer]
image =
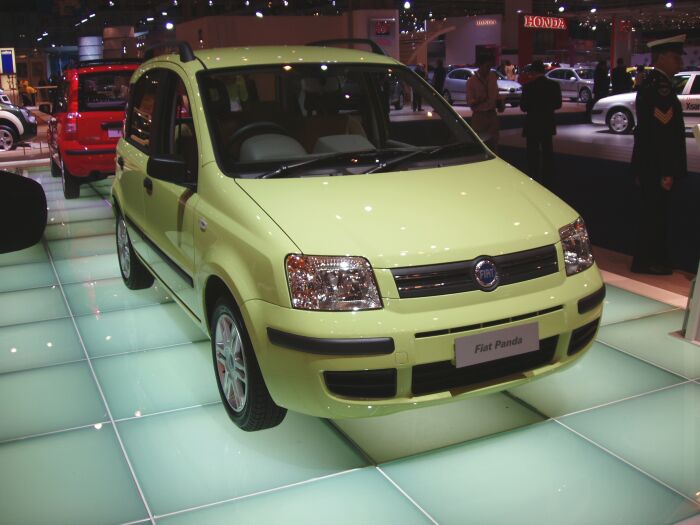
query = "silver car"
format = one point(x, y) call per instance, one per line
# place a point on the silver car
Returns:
point(455, 89)
point(618, 112)
point(575, 83)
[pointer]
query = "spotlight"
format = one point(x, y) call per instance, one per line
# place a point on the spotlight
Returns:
point(169, 26)
point(669, 5)
point(258, 14)
point(407, 5)
point(594, 10)
point(561, 9)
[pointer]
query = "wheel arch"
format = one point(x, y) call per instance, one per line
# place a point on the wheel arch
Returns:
point(6, 120)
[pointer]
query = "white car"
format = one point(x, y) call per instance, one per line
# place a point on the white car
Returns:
point(575, 83)
point(455, 89)
point(618, 112)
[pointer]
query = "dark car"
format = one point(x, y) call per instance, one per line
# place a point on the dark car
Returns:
point(16, 124)
point(87, 121)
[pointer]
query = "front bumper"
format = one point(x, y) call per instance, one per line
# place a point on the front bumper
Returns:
point(29, 131)
point(511, 98)
point(418, 370)
point(598, 117)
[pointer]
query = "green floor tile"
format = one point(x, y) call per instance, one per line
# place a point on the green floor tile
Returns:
point(25, 276)
point(621, 305)
point(111, 294)
point(59, 203)
point(34, 254)
point(659, 432)
point(82, 247)
point(137, 329)
point(197, 456)
point(359, 497)
point(540, 474)
point(32, 305)
point(38, 344)
point(81, 214)
point(77, 477)
point(48, 399)
point(70, 230)
point(601, 376)
point(142, 383)
point(88, 268)
point(405, 433)
point(649, 339)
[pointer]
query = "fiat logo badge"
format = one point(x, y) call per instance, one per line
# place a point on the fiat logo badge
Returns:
point(486, 274)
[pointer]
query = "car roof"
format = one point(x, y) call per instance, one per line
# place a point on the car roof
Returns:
point(225, 57)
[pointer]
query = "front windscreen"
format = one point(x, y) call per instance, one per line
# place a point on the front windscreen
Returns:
point(332, 119)
point(105, 91)
point(585, 74)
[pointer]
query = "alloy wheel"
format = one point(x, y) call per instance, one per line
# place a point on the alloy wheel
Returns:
point(619, 122)
point(6, 140)
point(231, 362)
point(123, 248)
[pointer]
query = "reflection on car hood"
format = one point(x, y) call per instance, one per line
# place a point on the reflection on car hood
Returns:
point(415, 217)
point(623, 98)
point(508, 84)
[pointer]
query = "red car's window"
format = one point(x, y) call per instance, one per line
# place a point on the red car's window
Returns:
point(105, 91)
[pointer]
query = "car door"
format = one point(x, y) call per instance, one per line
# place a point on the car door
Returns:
point(170, 208)
point(456, 84)
point(133, 152)
point(569, 82)
point(690, 100)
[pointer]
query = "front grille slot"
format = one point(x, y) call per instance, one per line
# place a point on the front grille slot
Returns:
point(442, 376)
point(442, 279)
point(582, 336)
point(471, 327)
point(363, 384)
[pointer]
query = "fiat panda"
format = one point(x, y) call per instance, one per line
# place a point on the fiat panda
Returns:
point(346, 259)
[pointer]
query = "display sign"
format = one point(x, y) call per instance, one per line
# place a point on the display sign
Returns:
point(7, 61)
point(544, 22)
point(382, 27)
point(481, 22)
point(383, 32)
point(497, 344)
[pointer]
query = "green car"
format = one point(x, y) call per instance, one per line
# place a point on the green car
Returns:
point(346, 259)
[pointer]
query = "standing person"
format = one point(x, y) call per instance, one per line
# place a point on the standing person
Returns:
point(510, 71)
point(482, 97)
point(601, 85)
point(639, 77)
point(541, 97)
point(439, 75)
point(620, 78)
point(417, 102)
point(659, 156)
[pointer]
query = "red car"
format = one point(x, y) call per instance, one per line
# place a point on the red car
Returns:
point(87, 121)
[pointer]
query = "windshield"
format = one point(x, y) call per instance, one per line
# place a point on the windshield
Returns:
point(585, 74)
point(344, 118)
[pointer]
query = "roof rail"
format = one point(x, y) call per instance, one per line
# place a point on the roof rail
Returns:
point(106, 62)
point(371, 43)
point(186, 54)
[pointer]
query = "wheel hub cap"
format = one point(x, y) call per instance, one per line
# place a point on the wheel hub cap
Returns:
point(230, 363)
point(619, 121)
point(123, 248)
point(5, 140)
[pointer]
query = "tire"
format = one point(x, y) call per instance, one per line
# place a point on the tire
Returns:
point(399, 103)
point(584, 95)
point(71, 185)
point(620, 121)
point(55, 170)
point(241, 386)
point(446, 95)
point(134, 273)
point(8, 138)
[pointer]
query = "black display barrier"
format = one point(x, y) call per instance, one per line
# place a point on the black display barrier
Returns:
point(22, 212)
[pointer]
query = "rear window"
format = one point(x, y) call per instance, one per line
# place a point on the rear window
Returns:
point(105, 91)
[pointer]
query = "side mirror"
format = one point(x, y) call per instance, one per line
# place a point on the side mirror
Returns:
point(169, 168)
point(22, 212)
point(572, 78)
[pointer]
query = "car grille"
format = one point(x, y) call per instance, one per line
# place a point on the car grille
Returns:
point(443, 375)
point(364, 384)
point(442, 279)
point(582, 336)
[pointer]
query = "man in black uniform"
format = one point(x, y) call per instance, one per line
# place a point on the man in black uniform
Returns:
point(659, 156)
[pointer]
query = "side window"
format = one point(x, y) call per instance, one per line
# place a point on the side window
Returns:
point(182, 138)
point(142, 111)
point(695, 88)
point(679, 81)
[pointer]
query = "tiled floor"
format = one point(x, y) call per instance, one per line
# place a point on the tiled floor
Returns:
point(109, 414)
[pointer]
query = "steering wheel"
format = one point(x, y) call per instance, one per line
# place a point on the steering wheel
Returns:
point(255, 128)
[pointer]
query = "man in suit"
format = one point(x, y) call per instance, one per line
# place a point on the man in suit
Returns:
point(659, 155)
point(541, 97)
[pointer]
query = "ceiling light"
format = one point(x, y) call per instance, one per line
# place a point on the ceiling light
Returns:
point(258, 14)
point(92, 15)
point(407, 5)
point(149, 19)
point(561, 9)
point(169, 26)
point(669, 4)
point(594, 10)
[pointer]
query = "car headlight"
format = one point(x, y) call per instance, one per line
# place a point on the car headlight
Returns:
point(332, 283)
point(577, 247)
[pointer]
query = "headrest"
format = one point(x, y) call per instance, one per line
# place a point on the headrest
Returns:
point(216, 95)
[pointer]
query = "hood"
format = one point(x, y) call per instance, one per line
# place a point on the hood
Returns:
point(416, 217)
point(509, 84)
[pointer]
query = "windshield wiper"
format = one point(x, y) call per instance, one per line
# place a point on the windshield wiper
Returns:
point(382, 166)
point(286, 170)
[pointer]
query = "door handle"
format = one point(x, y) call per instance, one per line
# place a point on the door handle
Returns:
point(148, 184)
point(120, 161)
